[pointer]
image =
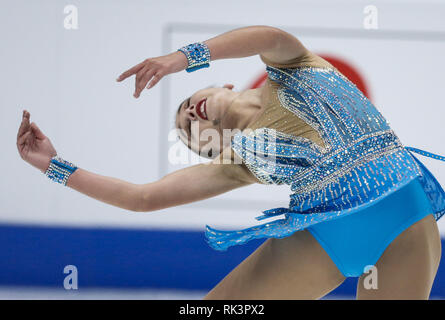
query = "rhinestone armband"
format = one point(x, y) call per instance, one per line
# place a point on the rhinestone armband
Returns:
point(59, 170)
point(198, 56)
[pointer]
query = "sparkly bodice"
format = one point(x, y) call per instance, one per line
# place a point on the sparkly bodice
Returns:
point(346, 156)
point(339, 126)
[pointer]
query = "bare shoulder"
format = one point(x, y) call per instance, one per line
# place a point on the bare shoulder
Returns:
point(318, 60)
point(287, 49)
point(233, 167)
point(306, 59)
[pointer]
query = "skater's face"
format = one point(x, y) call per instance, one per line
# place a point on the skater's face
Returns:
point(198, 119)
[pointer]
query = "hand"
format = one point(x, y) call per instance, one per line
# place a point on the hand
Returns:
point(34, 147)
point(154, 69)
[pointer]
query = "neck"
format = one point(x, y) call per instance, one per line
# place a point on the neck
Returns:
point(245, 107)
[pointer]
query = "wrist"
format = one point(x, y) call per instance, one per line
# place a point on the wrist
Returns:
point(60, 170)
point(180, 61)
point(197, 54)
point(46, 164)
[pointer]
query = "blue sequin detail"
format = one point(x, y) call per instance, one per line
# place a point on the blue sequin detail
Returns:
point(362, 160)
point(198, 56)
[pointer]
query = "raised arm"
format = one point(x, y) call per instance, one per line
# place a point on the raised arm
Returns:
point(191, 184)
point(273, 43)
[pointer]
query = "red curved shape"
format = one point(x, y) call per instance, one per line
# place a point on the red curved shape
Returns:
point(259, 81)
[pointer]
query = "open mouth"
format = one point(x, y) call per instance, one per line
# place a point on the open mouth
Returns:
point(201, 109)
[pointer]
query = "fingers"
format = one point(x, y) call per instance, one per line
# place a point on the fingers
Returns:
point(130, 72)
point(24, 138)
point(140, 85)
point(38, 133)
point(156, 78)
point(141, 80)
point(24, 126)
point(144, 71)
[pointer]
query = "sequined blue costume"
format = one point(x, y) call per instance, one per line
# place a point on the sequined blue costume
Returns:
point(361, 163)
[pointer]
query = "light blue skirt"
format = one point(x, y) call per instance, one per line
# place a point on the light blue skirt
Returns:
point(357, 241)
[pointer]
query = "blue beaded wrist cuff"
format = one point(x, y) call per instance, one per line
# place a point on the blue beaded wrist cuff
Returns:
point(60, 170)
point(198, 56)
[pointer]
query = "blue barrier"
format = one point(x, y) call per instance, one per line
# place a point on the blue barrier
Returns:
point(127, 258)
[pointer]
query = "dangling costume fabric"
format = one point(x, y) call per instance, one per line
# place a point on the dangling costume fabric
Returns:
point(346, 167)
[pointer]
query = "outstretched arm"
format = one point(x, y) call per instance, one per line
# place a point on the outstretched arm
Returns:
point(187, 185)
point(191, 184)
point(275, 44)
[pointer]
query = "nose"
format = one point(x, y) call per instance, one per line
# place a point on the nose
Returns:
point(191, 112)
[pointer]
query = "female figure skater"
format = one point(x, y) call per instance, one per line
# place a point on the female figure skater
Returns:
point(361, 202)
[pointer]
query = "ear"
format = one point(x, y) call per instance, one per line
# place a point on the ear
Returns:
point(228, 86)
